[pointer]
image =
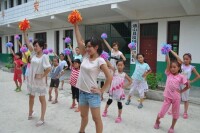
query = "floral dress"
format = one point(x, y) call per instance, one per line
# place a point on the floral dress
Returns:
point(116, 90)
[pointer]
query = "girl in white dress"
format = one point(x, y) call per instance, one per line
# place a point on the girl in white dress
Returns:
point(115, 53)
point(39, 69)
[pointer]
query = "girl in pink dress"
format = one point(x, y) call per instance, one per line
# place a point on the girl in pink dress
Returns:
point(117, 89)
point(172, 92)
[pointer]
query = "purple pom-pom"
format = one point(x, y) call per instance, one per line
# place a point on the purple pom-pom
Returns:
point(9, 44)
point(68, 40)
point(166, 48)
point(30, 39)
point(104, 55)
point(50, 50)
point(104, 36)
point(23, 49)
point(45, 51)
point(67, 51)
point(17, 37)
point(132, 45)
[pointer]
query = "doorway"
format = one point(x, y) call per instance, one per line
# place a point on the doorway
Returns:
point(148, 43)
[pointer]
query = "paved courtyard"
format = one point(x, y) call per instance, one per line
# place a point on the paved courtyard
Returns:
point(61, 119)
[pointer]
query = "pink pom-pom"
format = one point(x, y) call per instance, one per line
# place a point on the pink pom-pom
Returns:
point(23, 49)
point(68, 40)
point(67, 51)
point(17, 37)
point(166, 48)
point(104, 36)
point(50, 50)
point(132, 45)
point(9, 44)
point(104, 55)
point(45, 51)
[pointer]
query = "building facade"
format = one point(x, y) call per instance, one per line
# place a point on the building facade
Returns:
point(148, 22)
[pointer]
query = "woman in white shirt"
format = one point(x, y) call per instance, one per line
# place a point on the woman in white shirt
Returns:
point(39, 69)
point(115, 53)
point(90, 94)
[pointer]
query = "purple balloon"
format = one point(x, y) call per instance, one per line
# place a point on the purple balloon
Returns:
point(9, 44)
point(23, 49)
point(68, 40)
point(17, 37)
point(104, 55)
point(166, 48)
point(30, 39)
point(50, 50)
point(67, 51)
point(132, 45)
point(104, 36)
point(45, 51)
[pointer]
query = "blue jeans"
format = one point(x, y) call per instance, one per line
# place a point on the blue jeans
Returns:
point(89, 99)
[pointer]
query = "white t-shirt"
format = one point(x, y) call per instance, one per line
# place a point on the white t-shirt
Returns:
point(63, 64)
point(116, 55)
point(89, 72)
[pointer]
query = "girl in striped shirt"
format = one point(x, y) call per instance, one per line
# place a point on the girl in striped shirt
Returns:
point(75, 69)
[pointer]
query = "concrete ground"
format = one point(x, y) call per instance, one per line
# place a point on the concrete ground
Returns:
point(60, 119)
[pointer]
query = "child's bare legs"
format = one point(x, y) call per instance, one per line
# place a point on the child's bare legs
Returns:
point(173, 123)
point(50, 92)
point(186, 105)
point(16, 83)
point(140, 104)
point(128, 100)
point(106, 107)
point(56, 96)
point(62, 84)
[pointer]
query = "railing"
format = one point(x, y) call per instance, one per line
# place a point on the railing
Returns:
point(48, 7)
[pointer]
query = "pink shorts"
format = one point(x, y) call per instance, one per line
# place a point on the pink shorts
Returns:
point(175, 107)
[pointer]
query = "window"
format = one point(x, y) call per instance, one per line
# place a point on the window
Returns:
point(19, 2)
point(0, 6)
point(173, 36)
point(57, 36)
point(5, 5)
point(117, 32)
point(11, 3)
point(69, 33)
point(25, 1)
point(41, 36)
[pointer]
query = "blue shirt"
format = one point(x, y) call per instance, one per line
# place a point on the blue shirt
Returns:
point(140, 69)
point(78, 57)
point(55, 71)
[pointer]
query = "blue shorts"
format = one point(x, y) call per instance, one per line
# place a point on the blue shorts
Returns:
point(24, 69)
point(90, 99)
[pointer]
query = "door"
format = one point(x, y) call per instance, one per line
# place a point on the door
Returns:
point(148, 43)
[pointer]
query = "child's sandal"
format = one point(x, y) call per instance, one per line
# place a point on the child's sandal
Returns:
point(31, 116)
point(54, 102)
point(157, 125)
point(39, 123)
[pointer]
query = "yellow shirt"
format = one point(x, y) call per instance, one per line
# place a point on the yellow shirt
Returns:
point(28, 53)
